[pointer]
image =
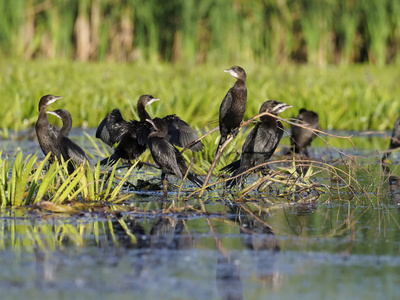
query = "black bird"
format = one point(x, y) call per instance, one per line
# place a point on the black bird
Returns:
point(131, 136)
point(46, 133)
point(260, 143)
point(68, 149)
point(166, 155)
point(301, 138)
point(233, 107)
point(394, 140)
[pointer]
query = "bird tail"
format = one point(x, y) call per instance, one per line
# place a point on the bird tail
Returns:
point(196, 180)
point(232, 167)
point(241, 176)
point(109, 161)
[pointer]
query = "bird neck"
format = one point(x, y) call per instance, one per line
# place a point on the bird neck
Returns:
point(240, 90)
point(240, 83)
point(66, 128)
point(143, 115)
point(42, 105)
point(270, 121)
point(42, 119)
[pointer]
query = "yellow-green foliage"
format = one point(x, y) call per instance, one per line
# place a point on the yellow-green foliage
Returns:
point(24, 182)
point(350, 98)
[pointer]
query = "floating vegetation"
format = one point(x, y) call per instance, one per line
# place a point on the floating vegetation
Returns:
point(293, 179)
point(25, 182)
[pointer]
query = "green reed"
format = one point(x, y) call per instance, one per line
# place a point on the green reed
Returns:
point(351, 98)
point(25, 181)
point(190, 31)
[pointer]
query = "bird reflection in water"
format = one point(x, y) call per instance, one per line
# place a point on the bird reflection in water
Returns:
point(257, 236)
point(394, 185)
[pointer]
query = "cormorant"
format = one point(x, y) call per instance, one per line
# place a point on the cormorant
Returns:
point(68, 149)
point(301, 138)
point(260, 143)
point(394, 140)
point(46, 133)
point(166, 155)
point(233, 107)
point(131, 136)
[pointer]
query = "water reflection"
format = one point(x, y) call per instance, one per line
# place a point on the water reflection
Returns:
point(252, 251)
point(258, 237)
point(165, 233)
point(228, 277)
point(394, 185)
point(229, 282)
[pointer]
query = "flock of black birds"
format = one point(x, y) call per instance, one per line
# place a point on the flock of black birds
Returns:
point(161, 135)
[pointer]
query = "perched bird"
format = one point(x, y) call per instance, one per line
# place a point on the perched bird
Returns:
point(300, 137)
point(233, 107)
point(260, 143)
point(46, 133)
point(394, 140)
point(166, 155)
point(131, 136)
point(68, 149)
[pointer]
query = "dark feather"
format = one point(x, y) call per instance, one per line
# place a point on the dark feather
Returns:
point(131, 137)
point(166, 155)
point(233, 106)
point(260, 144)
point(181, 134)
point(301, 138)
point(114, 127)
point(395, 139)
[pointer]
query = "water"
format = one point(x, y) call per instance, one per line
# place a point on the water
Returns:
point(312, 253)
point(332, 248)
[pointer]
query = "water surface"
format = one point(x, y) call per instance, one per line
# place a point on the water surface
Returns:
point(336, 247)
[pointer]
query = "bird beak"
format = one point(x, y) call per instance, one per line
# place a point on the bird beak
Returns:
point(281, 107)
point(54, 100)
point(152, 100)
point(233, 73)
point(152, 123)
point(53, 113)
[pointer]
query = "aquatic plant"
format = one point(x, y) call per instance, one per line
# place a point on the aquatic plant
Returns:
point(26, 182)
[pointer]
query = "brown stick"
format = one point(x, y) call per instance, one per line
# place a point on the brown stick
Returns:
point(314, 131)
point(213, 164)
point(245, 123)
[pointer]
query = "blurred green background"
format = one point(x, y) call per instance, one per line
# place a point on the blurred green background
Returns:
point(199, 31)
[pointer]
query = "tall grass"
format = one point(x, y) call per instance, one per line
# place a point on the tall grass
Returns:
point(350, 98)
point(190, 31)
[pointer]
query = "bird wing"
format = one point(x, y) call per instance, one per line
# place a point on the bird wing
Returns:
point(302, 137)
point(164, 154)
point(184, 169)
point(232, 167)
point(394, 142)
point(262, 139)
point(181, 134)
point(114, 127)
point(260, 144)
point(142, 133)
point(224, 109)
point(70, 150)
